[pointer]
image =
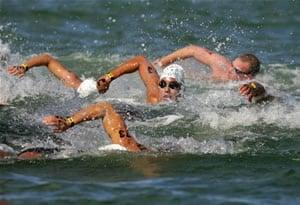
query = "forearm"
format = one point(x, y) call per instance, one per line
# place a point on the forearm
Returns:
point(69, 78)
point(92, 112)
point(40, 60)
point(113, 123)
point(130, 66)
point(180, 54)
point(201, 54)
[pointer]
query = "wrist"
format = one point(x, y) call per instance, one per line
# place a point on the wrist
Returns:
point(69, 121)
point(253, 85)
point(25, 67)
point(109, 76)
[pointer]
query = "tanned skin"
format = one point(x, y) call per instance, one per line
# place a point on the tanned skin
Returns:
point(222, 68)
point(147, 72)
point(113, 124)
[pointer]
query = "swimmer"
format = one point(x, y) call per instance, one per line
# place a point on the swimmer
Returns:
point(113, 124)
point(167, 87)
point(244, 67)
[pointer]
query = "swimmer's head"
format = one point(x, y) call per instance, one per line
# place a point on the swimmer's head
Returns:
point(171, 82)
point(246, 66)
point(173, 71)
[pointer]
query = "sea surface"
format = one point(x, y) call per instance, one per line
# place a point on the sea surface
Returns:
point(212, 147)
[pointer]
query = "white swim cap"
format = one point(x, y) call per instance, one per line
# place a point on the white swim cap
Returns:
point(173, 71)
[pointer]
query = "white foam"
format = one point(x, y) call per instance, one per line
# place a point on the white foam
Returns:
point(112, 147)
point(218, 106)
point(191, 145)
point(35, 82)
point(6, 148)
point(87, 87)
point(160, 121)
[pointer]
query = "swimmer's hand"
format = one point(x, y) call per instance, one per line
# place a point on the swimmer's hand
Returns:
point(59, 123)
point(252, 91)
point(103, 83)
point(18, 70)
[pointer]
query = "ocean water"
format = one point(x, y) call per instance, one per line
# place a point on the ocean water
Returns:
point(217, 147)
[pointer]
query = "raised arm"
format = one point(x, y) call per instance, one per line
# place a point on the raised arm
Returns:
point(201, 54)
point(113, 124)
point(147, 73)
point(69, 78)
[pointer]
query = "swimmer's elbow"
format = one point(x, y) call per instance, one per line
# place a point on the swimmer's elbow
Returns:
point(46, 58)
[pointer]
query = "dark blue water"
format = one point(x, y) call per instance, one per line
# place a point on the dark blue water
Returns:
point(220, 149)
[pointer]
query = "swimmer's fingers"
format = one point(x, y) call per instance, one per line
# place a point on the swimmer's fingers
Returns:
point(51, 120)
point(12, 70)
point(245, 90)
point(20, 75)
point(59, 123)
point(18, 71)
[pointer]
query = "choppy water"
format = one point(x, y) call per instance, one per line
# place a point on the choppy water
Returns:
point(220, 149)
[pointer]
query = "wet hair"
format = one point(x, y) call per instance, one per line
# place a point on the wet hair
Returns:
point(253, 62)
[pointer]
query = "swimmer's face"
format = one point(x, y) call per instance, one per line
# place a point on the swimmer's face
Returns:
point(241, 69)
point(169, 89)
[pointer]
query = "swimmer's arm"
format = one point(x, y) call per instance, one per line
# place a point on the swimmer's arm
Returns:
point(201, 54)
point(111, 119)
point(69, 78)
point(113, 123)
point(104, 81)
point(91, 112)
point(129, 66)
point(146, 71)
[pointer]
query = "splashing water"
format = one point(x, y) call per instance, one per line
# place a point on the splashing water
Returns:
point(202, 122)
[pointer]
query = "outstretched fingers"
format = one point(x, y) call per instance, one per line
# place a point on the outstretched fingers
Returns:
point(245, 89)
point(51, 120)
point(58, 123)
point(18, 71)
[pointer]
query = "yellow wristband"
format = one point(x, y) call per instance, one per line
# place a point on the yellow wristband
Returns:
point(253, 85)
point(25, 66)
point(70, 121)
point(110, 75)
